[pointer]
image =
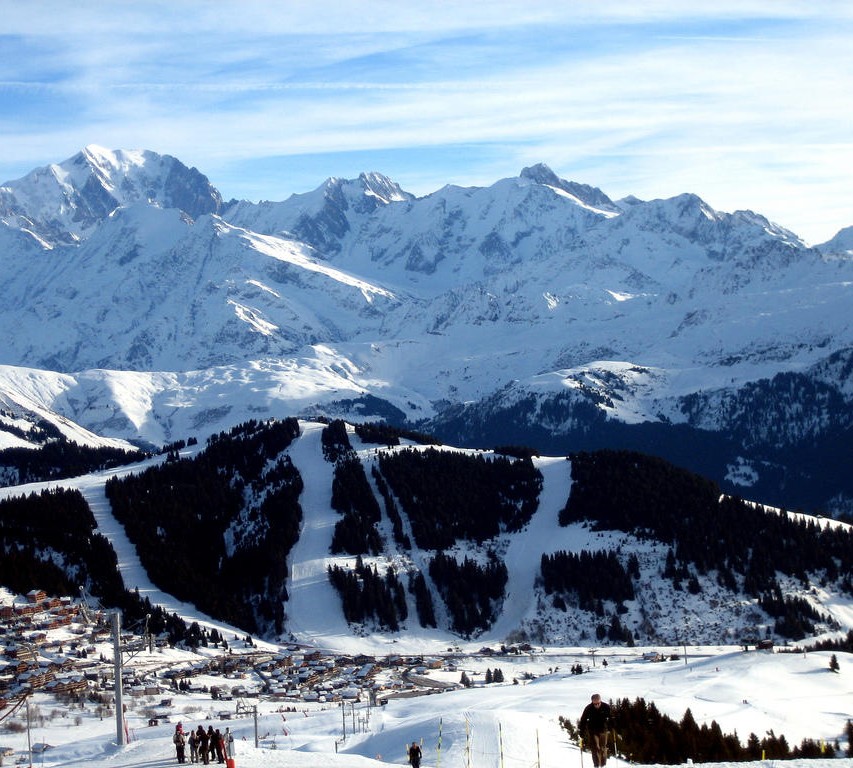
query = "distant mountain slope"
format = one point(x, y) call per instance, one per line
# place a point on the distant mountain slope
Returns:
point(536, 310)
point(607, 548)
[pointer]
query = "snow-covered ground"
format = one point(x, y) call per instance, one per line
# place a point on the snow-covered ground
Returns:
point(509, 725)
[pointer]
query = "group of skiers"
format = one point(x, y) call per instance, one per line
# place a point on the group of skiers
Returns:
point(205, 746)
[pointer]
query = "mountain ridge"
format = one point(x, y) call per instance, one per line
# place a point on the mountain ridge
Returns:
point(359, 299)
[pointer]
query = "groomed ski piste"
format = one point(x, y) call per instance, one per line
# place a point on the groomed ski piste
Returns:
point(509, 725)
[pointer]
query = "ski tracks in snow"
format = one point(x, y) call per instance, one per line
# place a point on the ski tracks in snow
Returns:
point(540, 536)
point(313, 613)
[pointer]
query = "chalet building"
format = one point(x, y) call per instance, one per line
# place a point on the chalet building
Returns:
point(35, 679)
point(23, 653)
point(68, 685)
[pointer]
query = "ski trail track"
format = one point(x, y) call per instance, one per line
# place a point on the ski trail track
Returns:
point(309, 586)
point(133, 574)
point(542, 535)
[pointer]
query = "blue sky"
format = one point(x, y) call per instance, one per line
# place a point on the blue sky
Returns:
point(748, 104)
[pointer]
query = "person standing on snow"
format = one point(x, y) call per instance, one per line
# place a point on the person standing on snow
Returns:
point(415, 755)
point(179, 742)
point(595, 723)
point(219, 744)
point(201, 738)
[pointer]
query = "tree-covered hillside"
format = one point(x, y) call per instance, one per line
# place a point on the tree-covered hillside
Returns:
point(49, 542)
point(55, 457)
point(444, 538)
point(449, 495)
point(215, 530)
point(743, 546)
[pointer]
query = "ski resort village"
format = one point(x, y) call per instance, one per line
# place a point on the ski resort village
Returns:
point(59, 646)
point(296, 706)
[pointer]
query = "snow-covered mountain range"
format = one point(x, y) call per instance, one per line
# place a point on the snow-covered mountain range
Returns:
point(140, 306)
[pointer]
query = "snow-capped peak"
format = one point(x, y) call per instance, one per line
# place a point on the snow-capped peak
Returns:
point(64, 202)
point(382, 188)
point(588, 196)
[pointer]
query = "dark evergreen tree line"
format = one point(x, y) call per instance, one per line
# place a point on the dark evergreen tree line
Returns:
point(795, 617)
point(645, 735)
point(59, 458)
point(651, 498)
point(382, 433)
point(844, 644)
point(391, 510)
point(58, 524)
point(355, 533)
point(450, 495)
point(335, 441)
point(39, 531)
point(586, 578)
point(470, 591)
point(137, 611)
point(176, 515)
point(366, 595)
point(423, 600)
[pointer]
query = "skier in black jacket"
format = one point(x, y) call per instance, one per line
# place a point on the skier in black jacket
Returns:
point(415, 755)
point(595, 723)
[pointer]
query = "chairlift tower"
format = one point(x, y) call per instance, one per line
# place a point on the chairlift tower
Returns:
point(119, 652)
point(115, 619)
point(249, 709)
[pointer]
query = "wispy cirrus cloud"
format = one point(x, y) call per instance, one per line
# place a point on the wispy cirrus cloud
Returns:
point(743, 103)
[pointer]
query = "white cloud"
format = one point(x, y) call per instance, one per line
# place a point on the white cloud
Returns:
point(739, 99)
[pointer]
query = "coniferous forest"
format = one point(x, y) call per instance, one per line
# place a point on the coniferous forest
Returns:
point(216, 529)
point(57, 457)
point(585, 578)
point(742, 544)
point(177, 515)
point(471, 592)
point(48, 541)
point(366, 595)
point(449, 495)
point(674, 742)
point(352, 496)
